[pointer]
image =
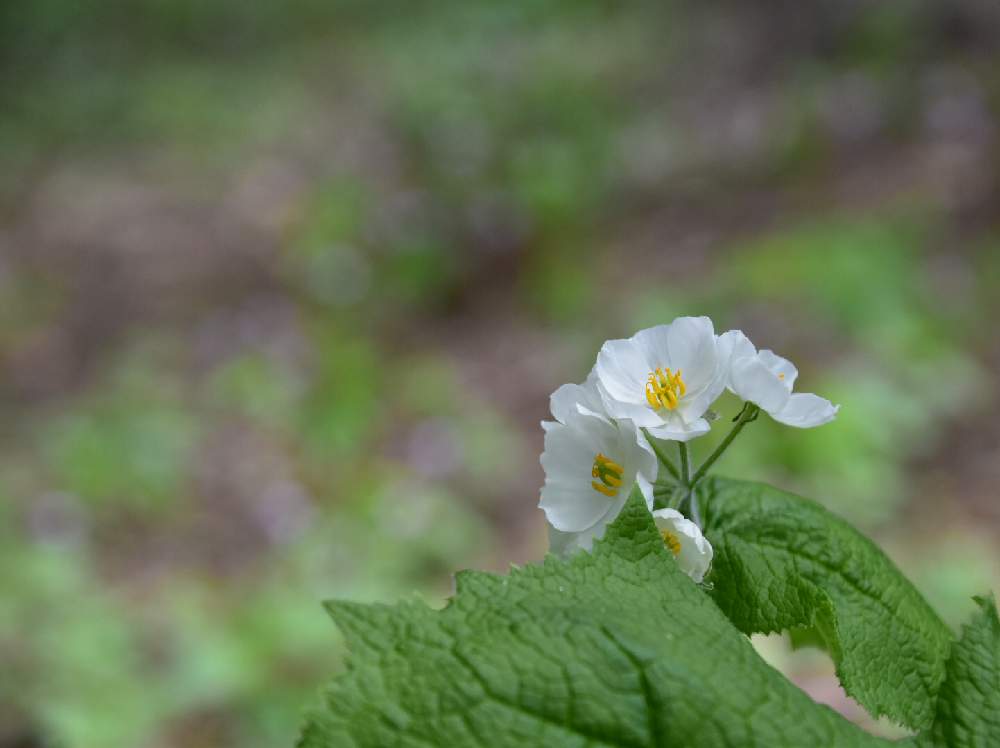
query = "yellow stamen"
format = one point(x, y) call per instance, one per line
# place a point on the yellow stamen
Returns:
point(664, 388)
point(611, 492)
point(670, 540)
point(609, 473)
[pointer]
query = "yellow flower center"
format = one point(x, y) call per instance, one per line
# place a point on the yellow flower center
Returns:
point(664, 388)
point(608, 475)
point(670, 540)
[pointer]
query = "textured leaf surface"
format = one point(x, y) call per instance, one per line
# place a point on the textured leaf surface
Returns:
point(784, 562)
point(968, 708)
point(611, 648)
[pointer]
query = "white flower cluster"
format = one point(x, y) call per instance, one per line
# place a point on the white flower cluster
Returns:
point(662, 380)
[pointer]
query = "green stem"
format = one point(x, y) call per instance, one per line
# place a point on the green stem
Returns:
point(664, 460)
point(748, 413)
point(694, 508)
point(682, 448)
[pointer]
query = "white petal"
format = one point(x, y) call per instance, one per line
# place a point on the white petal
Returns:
point(639, 413)
point(621, 373)
point(566, 543)
point(668, 517)
point(653, 344)
point(753, 381)
point(639, 455)
point(574, 508)
point(568, 499)
point(563, 401)
point(577, 398)
point(679, 431)
point(781, 367)
point(805, 410)
point(646, 488)
point(734, 344)
point(693, 407)
point(693, 350)
point(695, 556)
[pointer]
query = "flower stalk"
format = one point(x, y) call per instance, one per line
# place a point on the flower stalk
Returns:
point(748, 414)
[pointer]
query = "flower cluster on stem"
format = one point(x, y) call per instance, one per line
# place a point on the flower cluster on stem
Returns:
point(608, 433)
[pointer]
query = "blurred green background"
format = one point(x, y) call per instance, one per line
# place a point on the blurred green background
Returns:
point(284, 288)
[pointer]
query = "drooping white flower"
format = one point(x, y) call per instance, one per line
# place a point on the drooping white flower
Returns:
point(663, 378)
point(683, 538)
point(767, 380)
point(591, 465)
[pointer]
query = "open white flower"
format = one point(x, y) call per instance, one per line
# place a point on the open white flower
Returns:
point(767, 380)
point(663, 378)
point(591, 465)
point(683, 538)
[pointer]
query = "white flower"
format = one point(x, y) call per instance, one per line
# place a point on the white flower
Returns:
point(683, 538)
point(663, 378)
point(767, 380)
point(591, 465)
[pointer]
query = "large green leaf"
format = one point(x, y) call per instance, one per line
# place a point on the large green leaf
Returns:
point(611, 648)
point(968, 708)
point(784, 562)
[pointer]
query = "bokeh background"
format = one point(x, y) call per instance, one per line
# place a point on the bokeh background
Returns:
point(284, 288)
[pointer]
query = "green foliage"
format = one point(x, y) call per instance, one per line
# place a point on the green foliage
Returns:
point(968, 708)
point(617, 647)
point(129, 444)
point(256, 386)
point(784, 562)
point(339, 412)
